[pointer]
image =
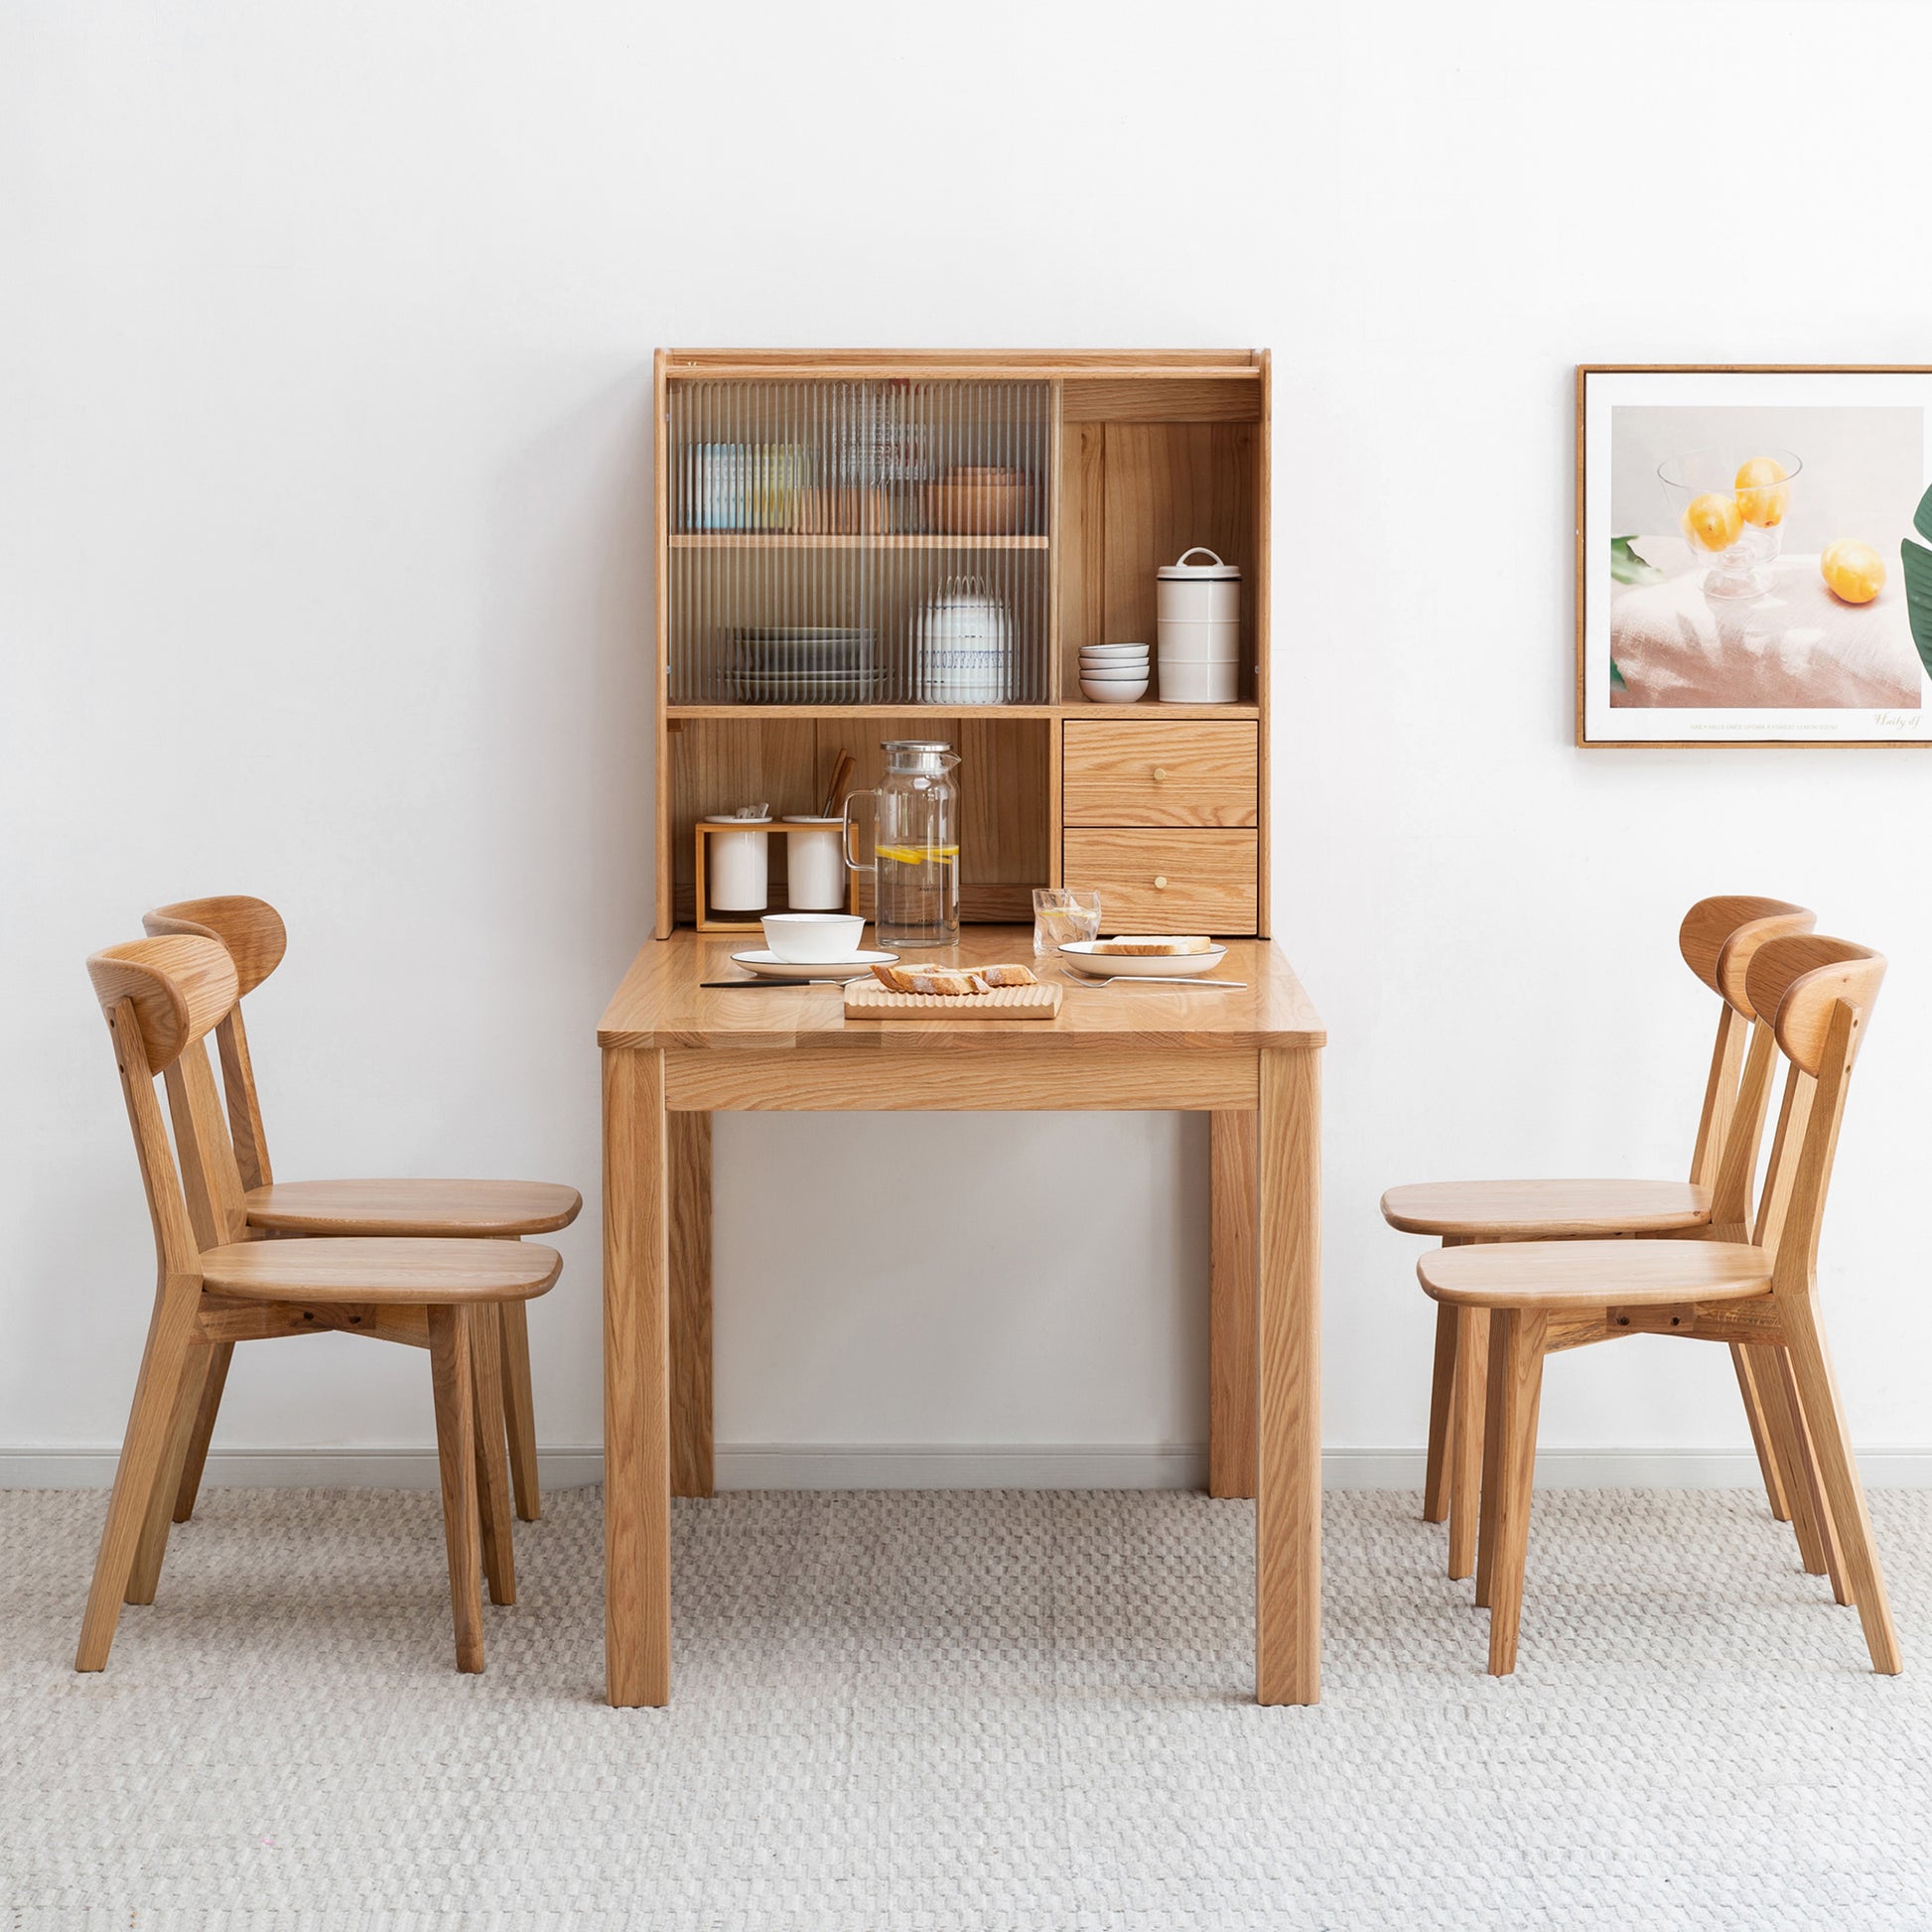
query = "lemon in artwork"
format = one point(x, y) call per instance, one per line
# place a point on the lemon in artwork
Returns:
point(1853, 570)
point(1714, 520)
point(1763, 491)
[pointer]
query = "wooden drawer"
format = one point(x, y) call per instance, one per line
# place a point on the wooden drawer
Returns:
point(1166, 881)
point(1169, 774)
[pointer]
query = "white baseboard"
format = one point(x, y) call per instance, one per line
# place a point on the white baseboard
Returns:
point(980, 1466)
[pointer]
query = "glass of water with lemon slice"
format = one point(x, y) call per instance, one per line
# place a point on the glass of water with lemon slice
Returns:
point(1061, 917)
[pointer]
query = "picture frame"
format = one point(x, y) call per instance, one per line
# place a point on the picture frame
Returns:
point(1775, 584)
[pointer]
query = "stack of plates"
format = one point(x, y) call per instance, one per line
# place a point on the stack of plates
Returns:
point(803, 663)
point(1113, 673)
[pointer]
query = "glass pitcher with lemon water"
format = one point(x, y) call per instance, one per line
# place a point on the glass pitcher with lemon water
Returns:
point(914, 845)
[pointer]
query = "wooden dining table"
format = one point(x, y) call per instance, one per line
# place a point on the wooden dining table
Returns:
point(676, 1050)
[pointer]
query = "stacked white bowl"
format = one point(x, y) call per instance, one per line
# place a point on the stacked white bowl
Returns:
point(1113, 673)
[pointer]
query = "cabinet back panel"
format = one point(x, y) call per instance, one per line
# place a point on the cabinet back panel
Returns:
point(1135, 495)
point(719, 763)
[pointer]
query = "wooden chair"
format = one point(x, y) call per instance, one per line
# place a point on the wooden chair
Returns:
point(253, 932)
point(218, 1286)
point(1542, 1296)
point(1717, 939)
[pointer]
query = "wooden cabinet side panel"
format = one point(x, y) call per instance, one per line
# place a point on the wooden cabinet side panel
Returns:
point(660, 573)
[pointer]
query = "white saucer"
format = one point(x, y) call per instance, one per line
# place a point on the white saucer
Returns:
point(1080, 954)
point(767, 965)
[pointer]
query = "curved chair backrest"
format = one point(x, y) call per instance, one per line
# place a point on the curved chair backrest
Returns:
point(1718, 938)
point(253, 932)
point(178, 989)
point(250, 929)
point(1820, 992)
point(1714, 924)
point(1736, 955)
point(161, 996)
point(1800, 981)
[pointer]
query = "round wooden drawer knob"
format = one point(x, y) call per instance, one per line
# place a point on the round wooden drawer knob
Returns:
point(1160, 775)
point(1160, 882)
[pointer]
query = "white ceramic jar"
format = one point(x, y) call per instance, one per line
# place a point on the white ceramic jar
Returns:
point(734, 865)
point(814, 864)
point(964, 645)
point(1197, 607)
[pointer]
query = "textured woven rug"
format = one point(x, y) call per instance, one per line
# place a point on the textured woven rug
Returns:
point(962, 1711)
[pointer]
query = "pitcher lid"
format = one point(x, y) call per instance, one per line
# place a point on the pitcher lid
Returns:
point(917, 754)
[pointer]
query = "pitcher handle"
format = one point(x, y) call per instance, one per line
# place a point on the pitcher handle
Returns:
point(846, 829)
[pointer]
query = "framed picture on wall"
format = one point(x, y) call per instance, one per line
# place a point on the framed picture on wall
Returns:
point(1753, 556)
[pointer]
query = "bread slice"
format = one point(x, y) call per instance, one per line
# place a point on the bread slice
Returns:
point(930, 979)
point(1006, 975)
point(1161, 945)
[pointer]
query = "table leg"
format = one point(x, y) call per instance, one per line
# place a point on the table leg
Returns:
point(1287, 1508)
point(1231, 1306)
point(691, 1472)
point(636, 1434)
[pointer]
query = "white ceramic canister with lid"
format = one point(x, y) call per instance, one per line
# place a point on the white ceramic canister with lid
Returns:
point(815, 864)
point(1197, 607)
point(736, 864)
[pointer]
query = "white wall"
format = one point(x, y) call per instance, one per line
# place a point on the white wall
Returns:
point(324, 495)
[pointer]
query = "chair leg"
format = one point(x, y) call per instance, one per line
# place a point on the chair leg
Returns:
point(171, 1335)
point(1760, 1434)
point(1791, 1453)
point(1516, 1378)
point(520, 1411)
point(452, 1379)
point(1467, 1438)
point(493, 1468)
point(219, 1354)
point(145, 1578)
point(1492, 1468)
point(1441, 1396)
point(1817, 1387)
point(1810, 1479)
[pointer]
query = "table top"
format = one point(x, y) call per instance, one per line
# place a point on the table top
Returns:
point(661, 1003)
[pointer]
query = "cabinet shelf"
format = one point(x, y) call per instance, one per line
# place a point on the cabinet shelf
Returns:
point(1121, 713)
point(789, 541)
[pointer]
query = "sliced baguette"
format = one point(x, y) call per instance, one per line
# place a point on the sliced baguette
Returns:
point(1006, 975)
point(1146, 944)
point(950, 984)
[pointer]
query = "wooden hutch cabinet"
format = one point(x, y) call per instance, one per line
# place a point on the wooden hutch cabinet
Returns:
point(832, 525)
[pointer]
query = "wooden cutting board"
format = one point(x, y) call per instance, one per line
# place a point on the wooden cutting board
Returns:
point(875, 1002)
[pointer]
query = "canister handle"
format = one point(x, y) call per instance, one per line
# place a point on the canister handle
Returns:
point(1199, 550)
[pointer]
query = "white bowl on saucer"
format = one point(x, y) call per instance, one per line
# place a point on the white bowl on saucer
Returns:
point(813, 938)
point(1113, 690)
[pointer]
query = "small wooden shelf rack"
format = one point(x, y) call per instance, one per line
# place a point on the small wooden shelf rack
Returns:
point(847, 489)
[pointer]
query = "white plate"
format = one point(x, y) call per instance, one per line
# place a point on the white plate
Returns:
point(1080, 956)
point(767, 965)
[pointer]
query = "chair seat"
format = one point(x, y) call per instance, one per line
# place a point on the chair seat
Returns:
point(422, 1207)
point(1528, 1210)
point(1573, 1274)
point(403, 1272)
